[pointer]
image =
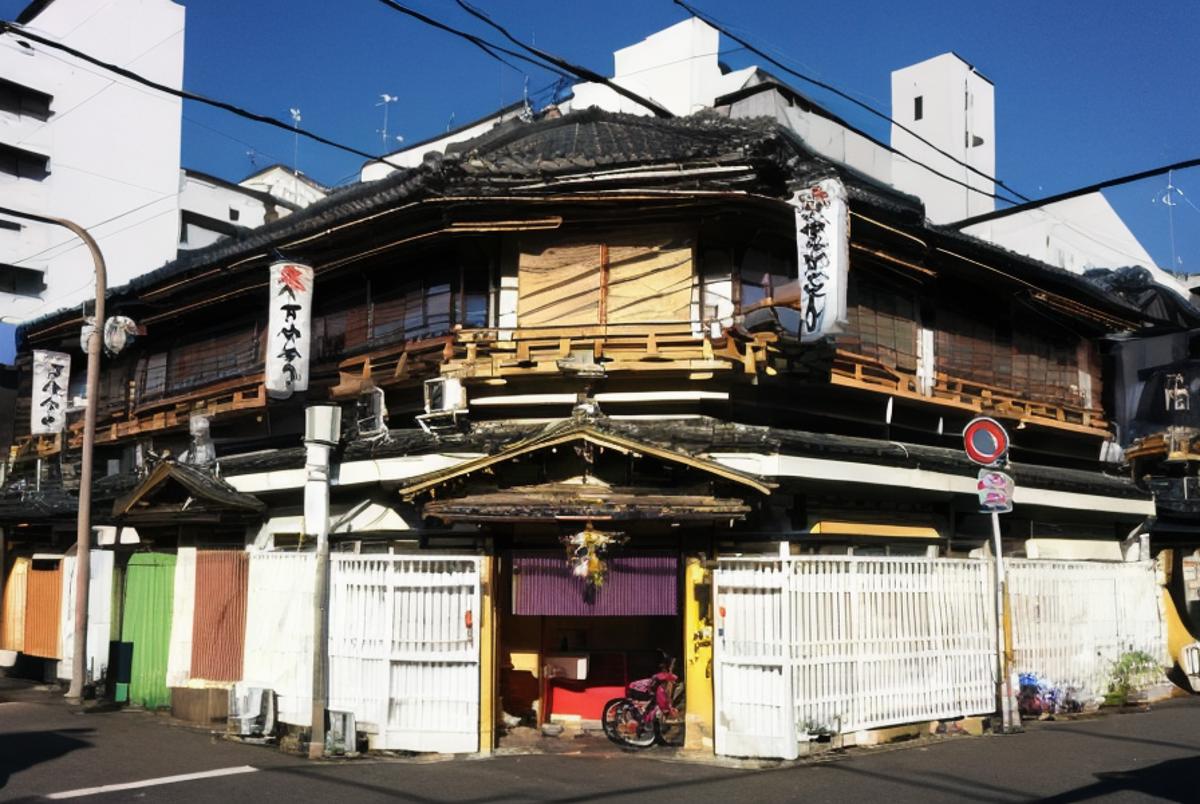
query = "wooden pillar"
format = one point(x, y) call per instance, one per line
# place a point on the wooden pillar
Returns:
point(488, 667)
point(698, 657)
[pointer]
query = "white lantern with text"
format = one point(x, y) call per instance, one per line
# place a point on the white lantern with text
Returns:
point(289, 330)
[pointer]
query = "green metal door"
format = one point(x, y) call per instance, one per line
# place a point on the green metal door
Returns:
point(149, 596)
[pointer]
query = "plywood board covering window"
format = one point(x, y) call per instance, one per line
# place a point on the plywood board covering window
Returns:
point(559, 284)
point(651, 281)
point(642, 276)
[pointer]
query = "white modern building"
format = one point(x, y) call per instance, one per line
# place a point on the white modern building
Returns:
point(950, 105)
point(212, 208)
point(286, 184)
point(82, 143)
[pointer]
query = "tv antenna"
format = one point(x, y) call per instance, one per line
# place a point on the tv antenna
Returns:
point(386, 100)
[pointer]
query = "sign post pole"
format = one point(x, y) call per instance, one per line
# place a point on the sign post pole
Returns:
point(986, 443)
point(1004, 691)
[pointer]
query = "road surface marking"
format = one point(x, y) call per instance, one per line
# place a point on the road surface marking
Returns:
point(183, 777)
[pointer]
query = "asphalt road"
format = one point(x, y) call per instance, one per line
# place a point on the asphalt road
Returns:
point(47, 747)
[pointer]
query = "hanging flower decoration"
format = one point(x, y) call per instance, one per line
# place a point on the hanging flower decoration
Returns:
point(586, 551)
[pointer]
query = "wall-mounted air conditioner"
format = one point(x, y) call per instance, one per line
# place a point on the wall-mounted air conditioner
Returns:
point(444, 395)
point(1190, 660)
point(371, 413)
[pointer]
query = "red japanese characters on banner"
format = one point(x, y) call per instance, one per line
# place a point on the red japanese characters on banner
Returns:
point(289, 328)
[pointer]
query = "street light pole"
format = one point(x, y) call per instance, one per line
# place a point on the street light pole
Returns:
point(83, 521)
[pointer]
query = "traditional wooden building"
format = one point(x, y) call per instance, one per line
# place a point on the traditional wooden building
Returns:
point(657, 342)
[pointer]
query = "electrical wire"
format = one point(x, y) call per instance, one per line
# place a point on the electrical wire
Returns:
point(581, 72)
point(17, 30)
point(1038, 203)
point(841, 94)
point(487, 47)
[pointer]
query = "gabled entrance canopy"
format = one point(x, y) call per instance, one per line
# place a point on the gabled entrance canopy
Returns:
point(485, 491)
point(177, 493)
point(573, 433)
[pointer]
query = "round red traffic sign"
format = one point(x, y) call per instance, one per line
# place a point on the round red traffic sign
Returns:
point(985, 441)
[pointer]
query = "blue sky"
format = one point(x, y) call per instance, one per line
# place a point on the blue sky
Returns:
point(1084, 91)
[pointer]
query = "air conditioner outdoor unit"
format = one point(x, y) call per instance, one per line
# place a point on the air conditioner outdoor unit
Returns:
point(341, 739)
point(371, 413)
point(444, 395)
point(251, 711)
point(1191, 659)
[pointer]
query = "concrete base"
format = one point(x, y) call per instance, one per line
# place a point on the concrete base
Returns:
point(973, 726)
point(890, 734)
point(204, 707)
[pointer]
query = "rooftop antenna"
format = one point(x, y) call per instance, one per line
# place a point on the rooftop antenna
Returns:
point(295, 112)
point(1168, 201)
point(386, 100)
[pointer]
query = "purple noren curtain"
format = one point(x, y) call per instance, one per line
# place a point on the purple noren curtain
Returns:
point(636, 585)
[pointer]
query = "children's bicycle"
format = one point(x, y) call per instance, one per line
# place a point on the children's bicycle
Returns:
point(637, 721)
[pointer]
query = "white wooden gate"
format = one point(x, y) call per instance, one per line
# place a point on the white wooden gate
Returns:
point(828, 644)
point(1072, 620)
point(404, 649)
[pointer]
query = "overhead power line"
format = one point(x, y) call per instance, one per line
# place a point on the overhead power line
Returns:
point(841, 94)
point(581, 72)
point(487, 47)
point(1086, 190)
point(9, 27)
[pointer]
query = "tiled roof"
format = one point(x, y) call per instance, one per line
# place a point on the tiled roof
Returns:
point(593, 138)
point(516, 158)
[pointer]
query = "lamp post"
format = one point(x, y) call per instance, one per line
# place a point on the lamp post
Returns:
point(83, 521)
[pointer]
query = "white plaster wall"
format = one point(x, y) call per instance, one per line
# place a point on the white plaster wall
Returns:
point(279, 182)
point(959, 104)
point(199, 195)
point(828, 138)
point(413, 156)
point(113, 147)
point(1076, 234)
point(677, 67)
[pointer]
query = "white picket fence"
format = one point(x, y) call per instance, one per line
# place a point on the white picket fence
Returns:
point(815, 644)
point(404, 649)
point(1072, 620)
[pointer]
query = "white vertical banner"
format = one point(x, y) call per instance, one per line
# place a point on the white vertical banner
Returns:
point(289, 340)
point(823, 251)
point(51, 376)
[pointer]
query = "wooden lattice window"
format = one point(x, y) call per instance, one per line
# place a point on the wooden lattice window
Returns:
point(882, 323)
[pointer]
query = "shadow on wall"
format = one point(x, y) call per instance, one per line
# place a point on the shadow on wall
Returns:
point(24, 749)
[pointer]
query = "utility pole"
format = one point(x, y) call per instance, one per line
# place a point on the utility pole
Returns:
point(322, 430)
point(83, 519)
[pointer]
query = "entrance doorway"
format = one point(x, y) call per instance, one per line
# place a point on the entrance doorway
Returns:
point(568, 646)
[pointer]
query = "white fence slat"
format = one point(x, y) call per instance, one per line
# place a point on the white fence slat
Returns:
point(861, 642)
point(1072, 620)
point(401, 654)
